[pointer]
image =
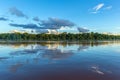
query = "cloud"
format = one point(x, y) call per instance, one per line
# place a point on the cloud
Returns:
point(67, 28)
point(97, 8)
point(26, 26)
point(55, 23)
point(41, 31)
point(17, 12)
point(36, 19)
point(84, 30)
point(108, 8)
point(94, 12)
point(51, 23)
point(3, 19)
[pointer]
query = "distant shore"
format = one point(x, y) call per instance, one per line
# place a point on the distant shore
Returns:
point(82, 41)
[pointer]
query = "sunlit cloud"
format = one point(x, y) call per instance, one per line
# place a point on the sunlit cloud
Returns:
point(100, 7)
point(97, 8)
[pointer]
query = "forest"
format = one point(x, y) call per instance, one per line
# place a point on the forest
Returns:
point(56, 37)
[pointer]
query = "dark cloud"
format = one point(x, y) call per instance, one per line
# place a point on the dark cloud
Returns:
point(51, 23)
point(55, 23)
point(41, 31)
point(3, 19)
point(31, 26)
point(36, 19)
point(18, 13)
point(26, 26)
point(82, 30)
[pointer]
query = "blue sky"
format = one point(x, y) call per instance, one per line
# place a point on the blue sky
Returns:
point(95, 15)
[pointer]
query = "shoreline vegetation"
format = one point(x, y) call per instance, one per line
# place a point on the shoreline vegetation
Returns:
point(56, 43)
point(52, 38)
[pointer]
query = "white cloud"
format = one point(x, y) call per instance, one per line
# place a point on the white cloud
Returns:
point(66, 28)
point(96, 9)
point(94, 12)
point(108, 8)
point(100, 7)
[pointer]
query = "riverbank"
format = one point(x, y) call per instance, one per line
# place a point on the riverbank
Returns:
point(69, 42)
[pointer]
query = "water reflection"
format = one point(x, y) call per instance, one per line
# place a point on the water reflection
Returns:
point(14, 68)
point(38, 51)
point(56, 54)
point(50, 51)
point(66, 61)
point(3, 58)
point(96, 69)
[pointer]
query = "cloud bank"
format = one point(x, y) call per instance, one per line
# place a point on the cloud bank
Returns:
point(44, 25)
point(56, 23)
point(51, 23)
point(25, 26)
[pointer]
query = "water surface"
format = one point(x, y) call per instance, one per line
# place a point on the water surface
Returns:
point(60, 61)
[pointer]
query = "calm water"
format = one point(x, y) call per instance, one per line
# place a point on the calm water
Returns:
point(85, 61)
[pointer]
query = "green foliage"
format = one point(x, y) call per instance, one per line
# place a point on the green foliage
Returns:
point(56, 37)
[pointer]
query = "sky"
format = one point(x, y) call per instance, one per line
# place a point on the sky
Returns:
point(60, 15)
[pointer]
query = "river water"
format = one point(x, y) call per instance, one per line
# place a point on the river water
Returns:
point(60, 61)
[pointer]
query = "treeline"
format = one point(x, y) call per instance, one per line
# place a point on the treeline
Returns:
point(56, 37)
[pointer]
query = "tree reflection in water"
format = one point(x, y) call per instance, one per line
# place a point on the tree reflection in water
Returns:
point(40, 51)
point(39, 60)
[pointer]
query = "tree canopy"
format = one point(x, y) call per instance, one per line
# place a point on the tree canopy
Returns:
point(57, 37)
